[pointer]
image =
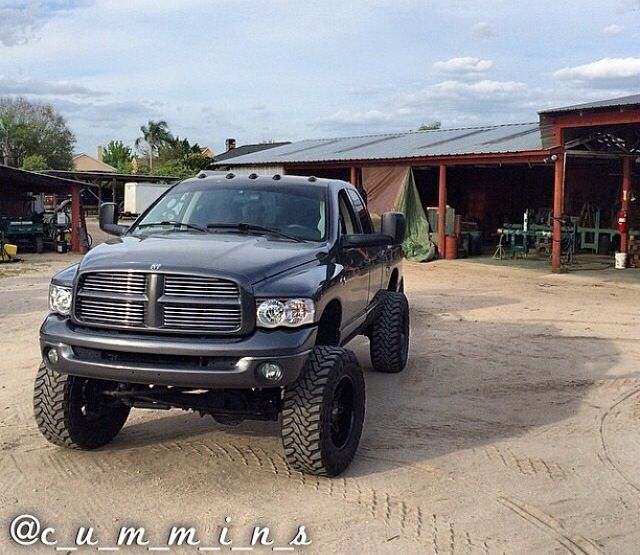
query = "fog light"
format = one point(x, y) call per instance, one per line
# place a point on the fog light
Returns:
point(270, 371)
point(52, 357)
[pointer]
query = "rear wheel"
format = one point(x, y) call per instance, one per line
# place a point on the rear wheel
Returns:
point(389, 345)
point(74, 412)
point(323, 413)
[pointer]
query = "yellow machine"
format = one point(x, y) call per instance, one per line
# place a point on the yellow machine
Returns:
point(7, 251)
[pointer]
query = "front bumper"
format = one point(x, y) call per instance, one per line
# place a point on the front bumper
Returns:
point(175, 361)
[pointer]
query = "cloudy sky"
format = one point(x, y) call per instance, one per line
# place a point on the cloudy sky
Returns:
point(287, 69)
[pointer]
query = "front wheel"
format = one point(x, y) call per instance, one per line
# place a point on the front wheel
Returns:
point(74, 412)
point(323, 413)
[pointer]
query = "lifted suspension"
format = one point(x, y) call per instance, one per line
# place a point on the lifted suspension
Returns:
point(234, 404)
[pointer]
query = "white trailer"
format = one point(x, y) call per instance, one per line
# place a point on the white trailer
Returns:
point(139, 196)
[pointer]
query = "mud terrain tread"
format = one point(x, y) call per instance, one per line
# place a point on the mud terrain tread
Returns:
point(49, 407)
point(385, 345)
point(56, 407)
point(302, 415)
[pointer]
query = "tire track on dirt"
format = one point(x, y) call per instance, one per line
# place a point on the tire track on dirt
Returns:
point(399, 515)
point(524, 465)
point(573, 543)
point(607, 451)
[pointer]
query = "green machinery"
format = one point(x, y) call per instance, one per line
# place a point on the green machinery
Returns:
point(26, 229)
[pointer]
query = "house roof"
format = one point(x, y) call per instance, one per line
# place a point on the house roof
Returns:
point(247, 149)
point(495, 139)
point(620, 102)
point(98, 165)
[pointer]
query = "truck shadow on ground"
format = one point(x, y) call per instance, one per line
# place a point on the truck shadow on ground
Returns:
point(469, 383)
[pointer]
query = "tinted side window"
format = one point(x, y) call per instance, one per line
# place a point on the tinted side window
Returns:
point(361, 211)
point(348, 224)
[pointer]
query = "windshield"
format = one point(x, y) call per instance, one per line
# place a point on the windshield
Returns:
point(285, 211)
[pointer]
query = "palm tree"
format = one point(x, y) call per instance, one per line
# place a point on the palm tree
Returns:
point(155, 133)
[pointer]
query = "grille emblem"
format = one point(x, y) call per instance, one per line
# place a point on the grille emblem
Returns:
point(155, 267)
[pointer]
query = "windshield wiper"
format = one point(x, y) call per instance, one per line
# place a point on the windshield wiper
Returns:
point(255, 227)
point(173, 223)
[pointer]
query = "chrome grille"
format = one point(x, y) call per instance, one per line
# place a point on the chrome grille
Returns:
point(203, 318)
point(122, 313)
point(159, 302)
point(125, 283)
point(193, 286)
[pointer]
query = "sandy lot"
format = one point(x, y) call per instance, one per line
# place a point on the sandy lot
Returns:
point(514, 429)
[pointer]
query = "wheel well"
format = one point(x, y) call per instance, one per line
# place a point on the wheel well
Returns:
point(329, 325)
point(393, 282)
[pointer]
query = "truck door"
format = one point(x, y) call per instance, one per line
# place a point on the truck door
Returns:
point(375, 255)
point(356, 270)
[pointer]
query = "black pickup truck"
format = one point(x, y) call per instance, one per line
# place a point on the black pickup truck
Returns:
point(232, 296)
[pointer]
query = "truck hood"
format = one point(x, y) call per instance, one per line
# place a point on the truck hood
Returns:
point(251, 258)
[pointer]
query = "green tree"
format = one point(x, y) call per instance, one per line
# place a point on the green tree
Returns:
point(155, 134)
point(9, 131)
point(431, 126)
point(176, 168)
point(34, 163)
point(118, 155)
point(188, 155)
point(28, 128)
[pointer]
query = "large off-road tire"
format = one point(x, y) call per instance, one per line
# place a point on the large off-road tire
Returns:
point(389, 345)
point(72, 412)
point(323, 413)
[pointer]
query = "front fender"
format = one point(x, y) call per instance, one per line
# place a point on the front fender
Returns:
point(65, 277)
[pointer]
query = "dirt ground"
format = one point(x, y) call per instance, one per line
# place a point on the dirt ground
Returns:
point(514, 429)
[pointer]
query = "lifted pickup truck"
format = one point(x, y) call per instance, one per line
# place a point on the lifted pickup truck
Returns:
point(234, 297)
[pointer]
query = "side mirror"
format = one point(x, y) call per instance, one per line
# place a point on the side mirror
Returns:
point(108, 219)
point(395, 225)
point(364, 240)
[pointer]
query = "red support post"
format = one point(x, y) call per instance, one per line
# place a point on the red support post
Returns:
point(442, 210)
point(353, 176)
point(626, 201)
point(558, 209)
point(76, 219)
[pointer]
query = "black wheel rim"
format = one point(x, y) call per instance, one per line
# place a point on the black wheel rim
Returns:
point(342, 412)
point(94, 404)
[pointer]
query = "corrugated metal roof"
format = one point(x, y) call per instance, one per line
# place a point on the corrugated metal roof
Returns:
point(611, 103)
point(496, 139)
point(247, 149)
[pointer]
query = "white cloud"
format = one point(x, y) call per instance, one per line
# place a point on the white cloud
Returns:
point(369, 117)
point(368, 90)
point(606, 68)
point(37, 87)
point(17, 25)
point(463, 65)
point(453, 90)
point(612, 30)
point(484, 30)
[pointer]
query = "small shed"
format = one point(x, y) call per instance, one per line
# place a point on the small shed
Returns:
point(15, 183)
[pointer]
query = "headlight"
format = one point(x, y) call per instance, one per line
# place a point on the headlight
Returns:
point(273, 313)
point(60, 299)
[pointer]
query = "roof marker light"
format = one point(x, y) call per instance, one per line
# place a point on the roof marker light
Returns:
point(276, 177)
point(312, 179)
point(253, 176)
point(230, 175)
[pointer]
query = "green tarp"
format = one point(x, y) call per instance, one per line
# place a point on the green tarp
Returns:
point(417, 245)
